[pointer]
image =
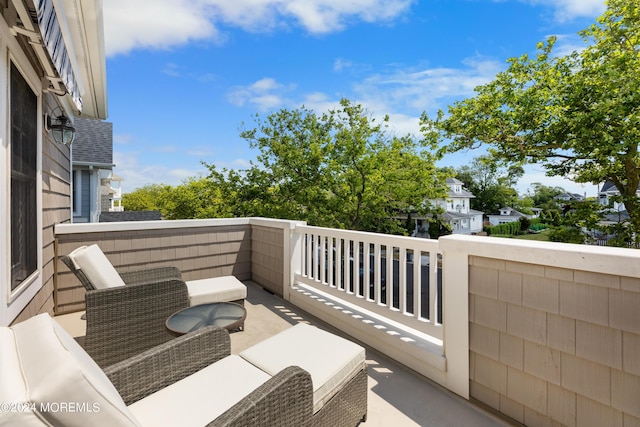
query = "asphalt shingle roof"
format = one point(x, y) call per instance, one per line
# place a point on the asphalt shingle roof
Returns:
point(94, 141)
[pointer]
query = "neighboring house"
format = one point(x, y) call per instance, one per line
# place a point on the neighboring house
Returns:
point(607, 192)
point(115, 194)
point(505, 215)
point(568, 197)
point(458, 213)
point(37, 94)
point(92, 164)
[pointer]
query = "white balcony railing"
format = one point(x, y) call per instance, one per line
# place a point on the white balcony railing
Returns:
point(388, 275)
point(389, 292)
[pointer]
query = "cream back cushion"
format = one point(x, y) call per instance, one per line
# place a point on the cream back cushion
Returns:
point(66, 386)
point(95, 265)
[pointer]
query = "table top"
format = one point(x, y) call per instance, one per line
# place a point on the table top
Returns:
point(227, 315)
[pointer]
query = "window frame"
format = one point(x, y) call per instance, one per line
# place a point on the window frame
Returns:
point(13, 301)
point(76, 192)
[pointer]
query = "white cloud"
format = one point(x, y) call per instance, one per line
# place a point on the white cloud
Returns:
point(570, 9)
point(402, 93)
point(172, 69)
point(405, 93)
point(566, 44)
point(123, 139)
point(200, 152)
point(162, 24)
point(265, 94)
point(136, 174)
point(131, 24)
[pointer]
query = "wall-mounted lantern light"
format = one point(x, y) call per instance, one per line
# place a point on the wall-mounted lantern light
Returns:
point(61, 128)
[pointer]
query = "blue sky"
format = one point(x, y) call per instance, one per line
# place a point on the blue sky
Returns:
point(183, 75)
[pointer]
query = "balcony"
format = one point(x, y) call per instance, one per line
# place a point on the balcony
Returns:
point(541, 333)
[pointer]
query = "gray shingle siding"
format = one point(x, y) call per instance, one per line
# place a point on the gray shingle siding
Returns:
point(94, 141)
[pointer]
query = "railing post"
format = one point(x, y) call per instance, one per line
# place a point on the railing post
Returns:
point(293, 246)
point(455, 319)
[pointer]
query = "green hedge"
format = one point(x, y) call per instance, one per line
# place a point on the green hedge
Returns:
point(510, 228)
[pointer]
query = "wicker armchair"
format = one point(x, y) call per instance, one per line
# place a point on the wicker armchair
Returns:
point(133, 391)
point(127, 320)
point(284, 400)
point(140, 308)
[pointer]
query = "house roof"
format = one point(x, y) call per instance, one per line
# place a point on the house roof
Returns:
point(569, 196)
point(93, 143)
point(611, 188)
point(451, 216)
point(512, 213)
point(462, 193)
point(130, 216)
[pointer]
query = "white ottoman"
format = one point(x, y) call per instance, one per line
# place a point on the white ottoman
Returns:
point(331, 360)
point(216, 289)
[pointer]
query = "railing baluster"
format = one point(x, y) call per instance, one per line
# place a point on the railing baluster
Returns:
point(390, 286)
point(366, 272)
point(377, 274)
point(402, 275)
point(347, 265)
point(417, 283)
point(310, 256)
point(322, 254)
point(331, 264)
point(355, 274)
point(339, 265)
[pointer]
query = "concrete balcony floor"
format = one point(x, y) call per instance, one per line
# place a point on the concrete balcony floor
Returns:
point(397, 396)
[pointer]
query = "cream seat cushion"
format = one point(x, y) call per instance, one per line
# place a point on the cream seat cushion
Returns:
point(66, 386)
point(13, 388)
point(97, 267)
point(202, 397)
point(331, 360)
point(215, 289)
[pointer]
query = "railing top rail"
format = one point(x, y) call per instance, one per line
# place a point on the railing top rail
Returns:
point(597, 259)
point(101, 227)
point(378, 238)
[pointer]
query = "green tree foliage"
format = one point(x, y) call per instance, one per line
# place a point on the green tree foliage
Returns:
point(566, 234)
point(491, 184)
point(339, 169)
point(543, 196)
point(147, 198)
point(194, 198)
point(578, 115)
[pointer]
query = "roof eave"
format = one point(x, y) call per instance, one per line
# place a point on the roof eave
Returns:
point(84, 21)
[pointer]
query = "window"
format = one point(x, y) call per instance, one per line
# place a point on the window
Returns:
point(24, 167)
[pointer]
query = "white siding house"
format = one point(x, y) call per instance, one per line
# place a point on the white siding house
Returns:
point(457, 212)
point(506, 214)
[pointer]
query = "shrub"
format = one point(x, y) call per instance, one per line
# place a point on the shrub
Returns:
point(509, 228)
